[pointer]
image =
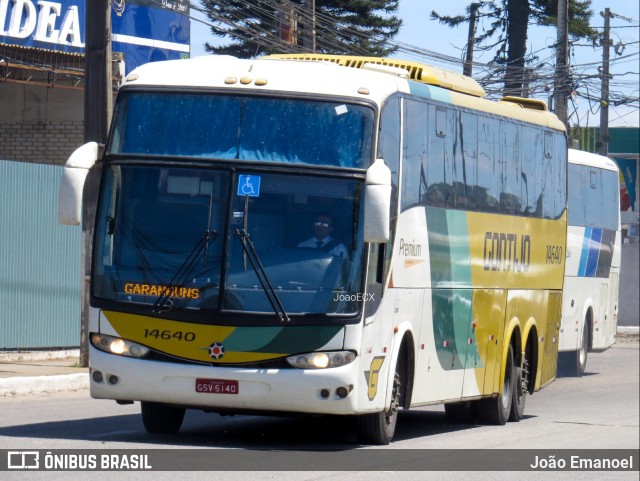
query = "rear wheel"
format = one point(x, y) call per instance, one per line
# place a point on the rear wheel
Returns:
point(574, 363)
point(161, 418)
point(520, 387)
point(496, 410)
point(379, 428)
point(581, 358)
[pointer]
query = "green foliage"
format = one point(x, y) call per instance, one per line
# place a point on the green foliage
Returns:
point(500, 14)
point(253, 28)
point(508, 20)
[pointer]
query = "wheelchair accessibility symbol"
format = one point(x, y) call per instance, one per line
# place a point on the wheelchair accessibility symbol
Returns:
point(249, 185)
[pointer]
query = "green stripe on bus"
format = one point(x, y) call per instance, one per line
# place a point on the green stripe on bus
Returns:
point(281, 340)
point(452, 307)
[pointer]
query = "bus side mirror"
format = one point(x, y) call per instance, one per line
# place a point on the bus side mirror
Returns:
point(72, 183)
point(377, 202)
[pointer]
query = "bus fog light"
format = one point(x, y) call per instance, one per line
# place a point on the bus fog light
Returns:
point(342, 392)
point(113, 379)
point(97, 376)
point(325, 393)
point(321, 360)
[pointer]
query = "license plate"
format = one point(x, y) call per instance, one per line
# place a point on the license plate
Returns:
point(217, 386)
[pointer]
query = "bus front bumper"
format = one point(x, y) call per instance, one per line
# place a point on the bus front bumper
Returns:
point(268, 390)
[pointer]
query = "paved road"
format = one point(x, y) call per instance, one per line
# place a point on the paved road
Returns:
point(600, 410)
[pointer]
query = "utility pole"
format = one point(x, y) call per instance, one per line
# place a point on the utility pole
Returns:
point(98, 92)
point(98, 82)
point(309, 42)
point(562, 67)
point(603, 139)
point(468, 62)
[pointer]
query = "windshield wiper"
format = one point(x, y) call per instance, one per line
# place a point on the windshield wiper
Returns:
point(261, 274)
point(184, 271)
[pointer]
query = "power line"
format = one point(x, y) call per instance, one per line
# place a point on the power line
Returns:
point(332, 30)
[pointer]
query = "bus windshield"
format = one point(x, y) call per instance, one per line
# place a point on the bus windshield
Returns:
point(245, 127)
point(172, 239)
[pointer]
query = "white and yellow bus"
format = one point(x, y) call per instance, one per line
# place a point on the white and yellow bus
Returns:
point(590, 304)
point(440, 280)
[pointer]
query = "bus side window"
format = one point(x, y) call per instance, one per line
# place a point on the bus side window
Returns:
point(414, 153)
point(465, 166)
point(439, 166)
point(532, 171)
point(489, 186)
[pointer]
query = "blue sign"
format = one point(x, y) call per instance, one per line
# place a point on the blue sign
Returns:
point(56, 25)
point(150, 30)
point(249, 185)
point(143, 30)
point(628, 171)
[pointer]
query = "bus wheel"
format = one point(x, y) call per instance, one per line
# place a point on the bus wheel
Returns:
point(581, 358)
point(460, 413)
point(520, 388)
point(574, 363)
point(161, 418)
point(378, 428)
point(496, 410)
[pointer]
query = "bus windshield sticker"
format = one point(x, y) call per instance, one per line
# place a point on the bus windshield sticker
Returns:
point(249, 185)
point(341, 109)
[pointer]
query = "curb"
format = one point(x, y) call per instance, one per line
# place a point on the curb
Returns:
point(628, 333)
point(43, 384)
point(22, 356)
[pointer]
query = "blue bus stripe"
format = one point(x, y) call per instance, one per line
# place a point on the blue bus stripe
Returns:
point(585, 251)
point(594, 252)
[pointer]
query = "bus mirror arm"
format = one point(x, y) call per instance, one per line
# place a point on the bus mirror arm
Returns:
point(377, 202)
point(72, 182)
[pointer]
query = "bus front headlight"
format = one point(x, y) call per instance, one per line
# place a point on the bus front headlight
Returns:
point(321, 360)
point(117, 345)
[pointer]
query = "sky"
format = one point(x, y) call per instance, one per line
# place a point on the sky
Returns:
point(420, 31)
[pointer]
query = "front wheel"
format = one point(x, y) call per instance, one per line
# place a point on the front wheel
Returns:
point(379, 428)
point(161, 418)
point(496, 410)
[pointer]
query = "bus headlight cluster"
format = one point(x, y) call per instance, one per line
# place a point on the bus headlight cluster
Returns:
point(117, 345)
point(321, 360)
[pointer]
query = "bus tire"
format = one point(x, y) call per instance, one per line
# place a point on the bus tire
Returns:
point(379, 428)
point(161, 418)
point(581, 355)
point(574, 363)
point(519, 395)
point(496, 410)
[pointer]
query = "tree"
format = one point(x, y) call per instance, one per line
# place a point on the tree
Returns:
point(510, 21)
point(275, 26)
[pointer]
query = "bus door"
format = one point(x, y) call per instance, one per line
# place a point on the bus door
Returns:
point(548, 358)
point(601, 316)
point(486, 328)
point(439, 373)
point(612, 314)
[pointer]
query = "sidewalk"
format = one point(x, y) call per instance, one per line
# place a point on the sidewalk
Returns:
point(41, 372)
point(53, 371)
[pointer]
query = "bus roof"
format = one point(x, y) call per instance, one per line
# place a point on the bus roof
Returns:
point(329, 76)
point(414, 70)
point(593, 160)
